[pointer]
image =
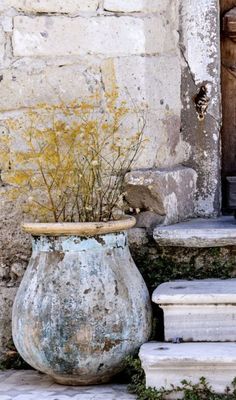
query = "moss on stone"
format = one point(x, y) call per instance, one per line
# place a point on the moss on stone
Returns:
point(162, 264)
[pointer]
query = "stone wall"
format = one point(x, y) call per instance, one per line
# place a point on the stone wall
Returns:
point(64, 50)
point(160, 264)
point(53, 50)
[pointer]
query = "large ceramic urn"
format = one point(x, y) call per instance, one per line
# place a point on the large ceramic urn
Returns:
point(82, 305)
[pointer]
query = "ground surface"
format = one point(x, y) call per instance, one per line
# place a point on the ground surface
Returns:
point(31, 385)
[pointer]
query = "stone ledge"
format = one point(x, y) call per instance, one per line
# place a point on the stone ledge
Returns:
point(206, 291)
point(198, 232)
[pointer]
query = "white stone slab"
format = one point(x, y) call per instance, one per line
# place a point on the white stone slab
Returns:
point(202, 310)
point(109, 36)
point(198, 233)
point(206, 291)
point(167, 363)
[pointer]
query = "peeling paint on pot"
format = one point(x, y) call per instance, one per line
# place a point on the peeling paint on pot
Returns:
point(81, 308)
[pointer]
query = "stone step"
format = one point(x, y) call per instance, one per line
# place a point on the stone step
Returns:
point(201, 310)
point(199, 232)
point(167, 364)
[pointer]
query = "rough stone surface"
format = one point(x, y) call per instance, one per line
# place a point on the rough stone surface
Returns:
point(148, 220)
point(124, 6)
point(54, 6)
point(163, 264)
point(144, 80)
point(14, 254)
point(7, 295)
point(25, 88)
point(199, 44)
point(135, 5)
point(7, 24)
point(14, 245)
point(198, 232)
point(57, 36)
point(194, 311)
point(166, 192)
point(167, 364)
point(31, 385)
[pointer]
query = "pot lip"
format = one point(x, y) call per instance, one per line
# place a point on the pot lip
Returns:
point(78, 228)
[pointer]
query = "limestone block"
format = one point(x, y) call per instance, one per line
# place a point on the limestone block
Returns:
point(110, 36)
point(214, 232)
point(167, 364)
point(23, 88)
point(154, 81)
point(7, 296)
point(194, 311)
point(168, 192)
point(137, 5)
point(162, 146)
point(54, 6)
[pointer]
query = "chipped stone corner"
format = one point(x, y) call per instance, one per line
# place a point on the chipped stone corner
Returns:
point(165, 194)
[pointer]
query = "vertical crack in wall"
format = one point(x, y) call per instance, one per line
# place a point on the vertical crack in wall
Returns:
point(182, 52)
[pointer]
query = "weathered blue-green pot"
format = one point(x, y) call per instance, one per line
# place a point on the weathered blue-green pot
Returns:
point(82, 306)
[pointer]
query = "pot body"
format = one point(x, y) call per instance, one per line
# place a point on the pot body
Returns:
point(82, 306)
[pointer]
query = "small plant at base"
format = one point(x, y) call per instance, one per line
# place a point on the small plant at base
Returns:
point(187, 390)
point(72, 158)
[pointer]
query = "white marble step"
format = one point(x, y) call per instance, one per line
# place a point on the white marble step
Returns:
point(167, 364)
point(203, 310)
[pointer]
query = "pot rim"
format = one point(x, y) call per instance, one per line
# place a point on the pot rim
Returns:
point(78, 228)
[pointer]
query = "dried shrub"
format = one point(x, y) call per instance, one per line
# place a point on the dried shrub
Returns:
point(72, 158)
